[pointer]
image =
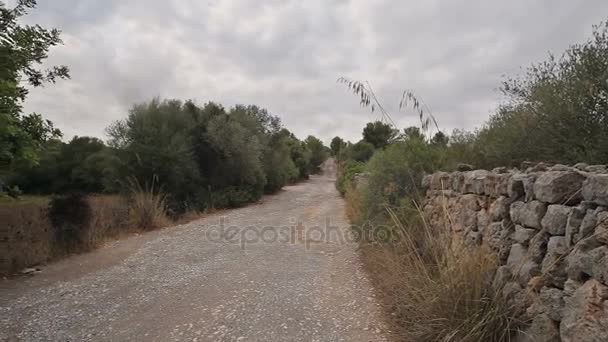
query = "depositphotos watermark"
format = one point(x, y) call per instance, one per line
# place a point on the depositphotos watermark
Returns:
point(294, 232)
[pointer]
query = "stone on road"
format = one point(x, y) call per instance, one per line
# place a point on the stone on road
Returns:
point(283, 269)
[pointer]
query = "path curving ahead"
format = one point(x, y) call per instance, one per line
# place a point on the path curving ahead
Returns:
point(265, 276)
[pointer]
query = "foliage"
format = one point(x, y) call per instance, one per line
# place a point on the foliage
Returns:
point(318, 153)
point(379, 134)
point(361, 151)
point(22, 47)
point(337, 144)
point(395, 174)
point(557, 111)
point(345, 175)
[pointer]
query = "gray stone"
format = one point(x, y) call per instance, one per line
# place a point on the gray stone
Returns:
point(542, 329)
point(554, 265)
point(597, 169)
point(575, 219)
point(599, 264)
point(511, 290)
point(499, 209)
point(528, 214)
point(570, 286)
point(502, 184)
point(473, 238)
point(515, 187)
point(457, 180)
point(538, 247)
point(601, 229)
point(579, 263)
point(523, 235)
point(483, 220)
point(474, 181)
point(552, 302)
point(559, 187)
point(595, 189)
point(585, 315)
point(587, 227)
point(502, 277)
point(581, 166)
point(517, 257)
point(500, 169)
point(555, 220)
point(528, 270)
point(440, 181)
point(561, 167)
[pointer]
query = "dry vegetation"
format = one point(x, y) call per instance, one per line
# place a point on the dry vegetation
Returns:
point(434, 288)
point(31, 238)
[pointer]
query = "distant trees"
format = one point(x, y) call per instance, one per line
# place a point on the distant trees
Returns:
point(337, 145)
point(22, 47)
point(379, 134)
point(201, 156)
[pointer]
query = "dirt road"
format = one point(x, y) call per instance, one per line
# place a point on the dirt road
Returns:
point(260, 273)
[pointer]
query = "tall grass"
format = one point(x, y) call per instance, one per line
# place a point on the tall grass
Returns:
point(147, 206)
point(436, 289)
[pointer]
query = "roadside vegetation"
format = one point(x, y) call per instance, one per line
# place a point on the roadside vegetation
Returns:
point(435, 289)
point(166, 161)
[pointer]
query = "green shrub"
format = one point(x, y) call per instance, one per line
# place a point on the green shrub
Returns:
point(346, 172)
point(395, 174)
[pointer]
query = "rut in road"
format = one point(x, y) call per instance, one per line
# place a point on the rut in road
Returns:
point(258, 273)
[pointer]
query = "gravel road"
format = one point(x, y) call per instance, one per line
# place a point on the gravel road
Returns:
point(259, 273)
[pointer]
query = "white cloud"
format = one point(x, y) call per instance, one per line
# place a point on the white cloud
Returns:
point(287, 55)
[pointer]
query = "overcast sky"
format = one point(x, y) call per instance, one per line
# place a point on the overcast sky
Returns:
point(286, 56)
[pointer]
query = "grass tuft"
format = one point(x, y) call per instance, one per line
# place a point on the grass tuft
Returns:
point(436, 289)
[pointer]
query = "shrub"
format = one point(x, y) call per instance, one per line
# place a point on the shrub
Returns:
point(394, 176)
point(147, 207)
point(361, 151)
point(234, 197)
point(70, 216)
point(436, 289)
point(346, 172)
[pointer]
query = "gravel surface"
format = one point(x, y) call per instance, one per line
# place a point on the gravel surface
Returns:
point(260, 273)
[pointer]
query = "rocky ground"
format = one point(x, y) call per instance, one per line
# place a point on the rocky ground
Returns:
point(260, 273)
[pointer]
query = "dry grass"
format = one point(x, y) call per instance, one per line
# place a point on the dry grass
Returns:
point(436, 289)
point(147, 207)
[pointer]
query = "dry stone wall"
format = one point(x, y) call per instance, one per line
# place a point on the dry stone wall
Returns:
point(549, 228)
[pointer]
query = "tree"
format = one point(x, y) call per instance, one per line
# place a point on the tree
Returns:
point(22, 48)
point(379, 134)
point(336, 145)
point(317, 150)
point(440, 139)
point(361, 151)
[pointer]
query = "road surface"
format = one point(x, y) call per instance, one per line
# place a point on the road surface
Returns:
point(259, 273)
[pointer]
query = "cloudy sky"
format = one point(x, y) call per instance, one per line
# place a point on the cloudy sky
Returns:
point(285, 55)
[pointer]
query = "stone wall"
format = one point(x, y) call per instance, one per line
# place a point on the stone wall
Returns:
point(549, 228)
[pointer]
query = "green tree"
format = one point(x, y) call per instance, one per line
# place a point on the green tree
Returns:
point(379, 134)
point(336, 145)
point(317, 150)
point(361, 151)
point(22, 49)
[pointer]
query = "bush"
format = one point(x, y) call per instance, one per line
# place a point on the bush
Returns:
point(147, 207)
point(436, 289)
point(346, 172)
point(71, 216)
point(395, 174)
point(361, 151)
point(234, 197)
